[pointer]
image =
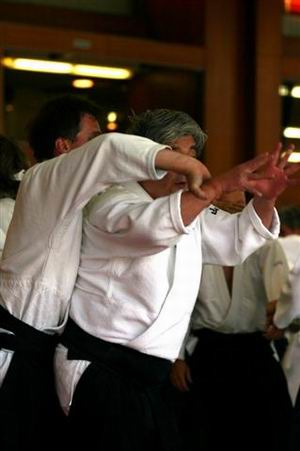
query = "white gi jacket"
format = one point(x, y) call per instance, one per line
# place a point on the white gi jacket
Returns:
point(288, 309)
point(244, 309)
point(6, 211)
point(41, 254)
point(140, 270)
point(254, 284)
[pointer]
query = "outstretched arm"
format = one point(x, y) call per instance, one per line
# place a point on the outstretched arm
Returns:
point(266, 176)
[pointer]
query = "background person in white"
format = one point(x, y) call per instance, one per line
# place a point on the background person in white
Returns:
point(230, 378)
point(285, 313)
point(142, 250)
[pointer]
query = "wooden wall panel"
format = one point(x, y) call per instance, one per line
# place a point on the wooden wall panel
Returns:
point(106, 47)
point(268, 74)
point(224, 85)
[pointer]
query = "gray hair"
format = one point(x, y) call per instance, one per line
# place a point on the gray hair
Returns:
point(166, 126)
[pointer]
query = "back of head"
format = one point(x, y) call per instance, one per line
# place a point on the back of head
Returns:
point(59, 117)
point(12, 161)
point(166, 126)
point(290, 219)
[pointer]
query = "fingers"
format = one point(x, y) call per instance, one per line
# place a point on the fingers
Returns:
point(247, 186)
point(284, 159)
point(194, 185)
point(198, 192)
point(275, 155)
point(292, 168)
point(256, 163)
point(262, 176)
point(273, 333)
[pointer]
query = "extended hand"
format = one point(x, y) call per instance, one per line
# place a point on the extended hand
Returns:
point(276, 175)
point(266, 175)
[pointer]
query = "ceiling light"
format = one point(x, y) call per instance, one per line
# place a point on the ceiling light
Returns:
point(283, 90)
point(101, 71)
point(295, 92)
point(82, 83)
point(112, 116)
point(294, 157)
point(292, 132)
point(37, 65)
point(67, 68)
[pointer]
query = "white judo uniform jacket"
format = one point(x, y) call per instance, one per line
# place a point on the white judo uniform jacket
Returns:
point(140, 270)
point(40, 260)
point(288, 310)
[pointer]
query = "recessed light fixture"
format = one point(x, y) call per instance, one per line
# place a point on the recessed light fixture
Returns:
point(292, 132)
point(283, 90)
point(52, 67)
point(112, 116)
point(295, 92)
point(112, 126)
point(82, 83)
point(295, 157)
point(55, 67)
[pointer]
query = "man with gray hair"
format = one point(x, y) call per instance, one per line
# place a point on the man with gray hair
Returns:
point(142, 251)
point(166, 126)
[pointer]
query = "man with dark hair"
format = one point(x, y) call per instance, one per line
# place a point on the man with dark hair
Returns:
point(61, 125)
point(42, 251)
point(143, 245)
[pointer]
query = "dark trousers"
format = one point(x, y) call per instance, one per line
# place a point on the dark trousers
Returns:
point(238, 399)
point(295, 434)
point(121, 402)
point(30, 416)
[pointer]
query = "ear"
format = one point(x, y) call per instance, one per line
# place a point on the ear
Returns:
point(62, 145)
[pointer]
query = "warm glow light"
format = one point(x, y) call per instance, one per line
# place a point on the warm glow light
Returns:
point(111, 126)
point(292, 6)
point(82, 83)
point(112, 116)
point(295, 157)
point(283, 90)
point(292, 132)
point(295, 92)
point(101, 71)
point(67, 68)
point(37, 65)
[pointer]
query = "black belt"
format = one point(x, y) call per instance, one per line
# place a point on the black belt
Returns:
point(240, 338)
point(23, 336)
point(83, 346)
point(144, 376)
